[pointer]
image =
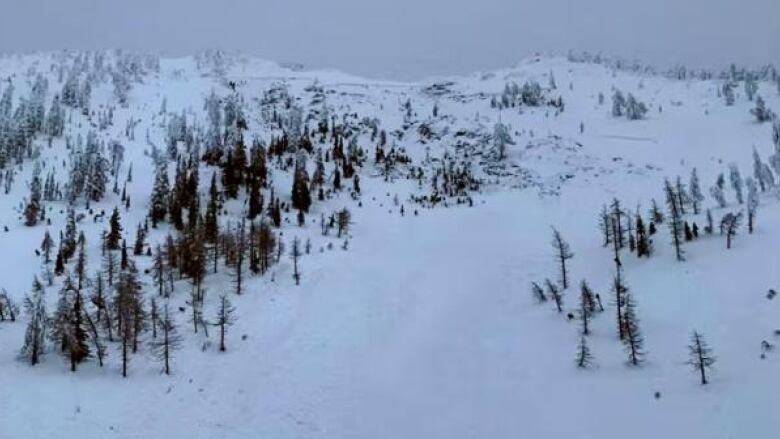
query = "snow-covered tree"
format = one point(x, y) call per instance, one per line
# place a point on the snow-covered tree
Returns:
point(717, 191)
point(752, 202)
point(728, 93)
point(694, 189)
point(729, 225)
point(501, 139)
point(618, 103)
point(35, 335)
point(635, 110)
point(736, 182)
point(760, 111)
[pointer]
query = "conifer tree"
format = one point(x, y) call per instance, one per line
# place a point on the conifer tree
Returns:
point(81, 261)
point(343, 220)
point(77, 334)
point(158, 206)
point(33, 209)
point(295, 254)
point(562, 254)
point(585, 310)
point(717, 191)
point(696, 195)
point(35, 334)
point(656, 214)
point(159, 270)
point(736, 182)
point(163, 347)
point(752, 202)
point(605, 225)
point(266, 246)
point(729, 226)
point(68, 242)
point(644, 245)
point(140, 241)
point(618, 232)
point(700, 356)
point(675, 220)
point(115, 231)
point(46, 247)
point(301, 198)
point(710, 227)
point(633, 340)
point(584, 358)
point(240, 250)
point(225, 319)
point(538, 292)
point(128, 308)
point(555, 293)
point(682, 195)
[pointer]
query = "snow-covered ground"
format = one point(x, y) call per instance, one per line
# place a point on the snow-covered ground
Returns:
point(425, 326)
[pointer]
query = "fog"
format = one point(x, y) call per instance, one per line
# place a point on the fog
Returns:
point(405, 39)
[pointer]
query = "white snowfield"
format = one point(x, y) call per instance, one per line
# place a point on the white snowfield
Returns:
point(425, 327)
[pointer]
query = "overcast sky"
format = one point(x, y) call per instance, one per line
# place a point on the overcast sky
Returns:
point(405, 38)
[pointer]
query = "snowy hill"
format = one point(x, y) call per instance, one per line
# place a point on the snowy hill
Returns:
point(431, 215)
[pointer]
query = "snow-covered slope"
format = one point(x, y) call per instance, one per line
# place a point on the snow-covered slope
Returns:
point(419, 323)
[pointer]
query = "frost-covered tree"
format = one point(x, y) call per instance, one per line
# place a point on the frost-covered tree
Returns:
point(751, 87)
point(301, 197)
point(729, 225)
point(761, 113)
point(33, 209)
point(618, 103)
point(121, 88)
point(635, 109)
point(695, 193)
point(728, 93)
point(158, 204)
point(736, 182)
point(501, 139)
point(35, 335)
point(700, 356)
point(761, 171)
point(752, 202)
point(55, 121)
point(717, 191)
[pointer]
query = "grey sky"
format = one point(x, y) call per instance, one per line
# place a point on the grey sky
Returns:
point(405, 38)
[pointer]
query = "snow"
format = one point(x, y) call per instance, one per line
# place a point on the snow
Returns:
point(425, 325)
